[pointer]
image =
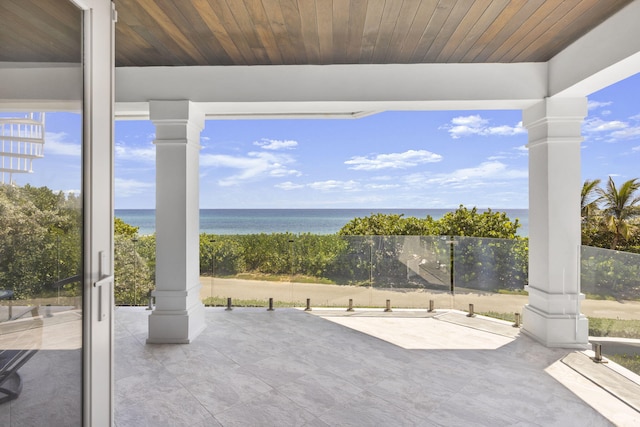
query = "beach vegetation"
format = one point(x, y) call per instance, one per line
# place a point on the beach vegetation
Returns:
point(41, 238)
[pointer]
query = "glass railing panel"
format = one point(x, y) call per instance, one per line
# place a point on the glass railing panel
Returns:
point(410, 271)
point(610, 281)
point(490, 274)
point(329, 270)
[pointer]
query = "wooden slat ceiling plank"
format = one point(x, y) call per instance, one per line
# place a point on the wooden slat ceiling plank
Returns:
point(187, 52)
point(309, 25)
point(505, 16)
point(17, 48)
point(406, 17)
point(220, 20)
point(341, 10)
point(357, 16)
point(478, 28)
point(291, 17)
point(246, 26)
point(507, 27)
point(21, 39)
point(131, 49)
point(536, 26)
point(458, 12)
point(461, 32)
point(37, 47)
point(56, 36)
point(65, 13)
point(375, 8)
point(324, 19)
point(14, 48)
point(280, 32)
point(387, 26)
point(264, 29)
point(186, 17)
point(212, 22)
point(135, 15)
point(587, 14)
point(438, 18)
point(420, 22)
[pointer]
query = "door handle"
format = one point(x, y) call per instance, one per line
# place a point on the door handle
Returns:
point(103, 297)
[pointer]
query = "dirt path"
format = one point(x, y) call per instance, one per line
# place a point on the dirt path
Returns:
point(338, 296)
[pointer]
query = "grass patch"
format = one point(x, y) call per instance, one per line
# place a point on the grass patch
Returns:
point(600, 297)
point(510, 317)
point(603, 327)
point(512, 292)
point(282, 278)
point(631, 362)
point(598, 326)
point(222, 302)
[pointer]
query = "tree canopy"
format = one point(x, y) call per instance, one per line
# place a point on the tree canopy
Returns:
point(462, 222)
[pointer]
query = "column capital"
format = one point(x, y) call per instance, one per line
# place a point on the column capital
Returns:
point(559, 108)
point(176, 111)
point(555, 120)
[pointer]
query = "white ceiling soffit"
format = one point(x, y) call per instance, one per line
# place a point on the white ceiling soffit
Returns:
point(607, 54)
point(342, 90)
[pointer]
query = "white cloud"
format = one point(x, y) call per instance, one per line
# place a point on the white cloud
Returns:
point(274, 144)
point(132, 187)
point(407, 159)
point(254, 165)
point(475, 125)
point(138, 154)
point(599, 125)
point(486, 173)
point(288, 185)
point(382, 186)
point(331, 185)
point(628, 133)
point(592, 105)
point(56, 143)
point(636, 148)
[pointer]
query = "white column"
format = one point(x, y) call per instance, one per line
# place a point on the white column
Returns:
point(553, 313)
point(179, 315)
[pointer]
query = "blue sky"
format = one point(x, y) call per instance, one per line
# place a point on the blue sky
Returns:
point(390, 160)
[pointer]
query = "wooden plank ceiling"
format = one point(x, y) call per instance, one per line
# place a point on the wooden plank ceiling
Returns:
point(268, 32)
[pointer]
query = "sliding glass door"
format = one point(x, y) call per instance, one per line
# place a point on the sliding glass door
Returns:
point(41, 213)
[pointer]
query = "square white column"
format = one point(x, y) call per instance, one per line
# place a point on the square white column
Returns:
point(179, 314)
point(553, 314)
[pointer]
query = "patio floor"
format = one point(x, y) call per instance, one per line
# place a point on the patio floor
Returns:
point(251, 367)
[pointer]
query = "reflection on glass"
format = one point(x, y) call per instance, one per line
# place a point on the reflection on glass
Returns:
point(41, 219)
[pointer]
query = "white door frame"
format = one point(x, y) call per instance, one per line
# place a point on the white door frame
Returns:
point(98, 112)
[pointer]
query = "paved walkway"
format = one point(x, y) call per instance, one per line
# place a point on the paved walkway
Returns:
point(251, 367)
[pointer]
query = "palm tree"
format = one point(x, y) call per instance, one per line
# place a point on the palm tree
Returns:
point(619, 207)
point(588, 201)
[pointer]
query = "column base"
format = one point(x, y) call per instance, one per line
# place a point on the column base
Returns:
point(556, 330)
point(171, 322)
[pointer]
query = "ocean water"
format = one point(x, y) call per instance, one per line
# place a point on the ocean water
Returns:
point(315, 221)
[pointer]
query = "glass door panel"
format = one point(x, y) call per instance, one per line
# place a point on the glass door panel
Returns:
point(41, 219)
